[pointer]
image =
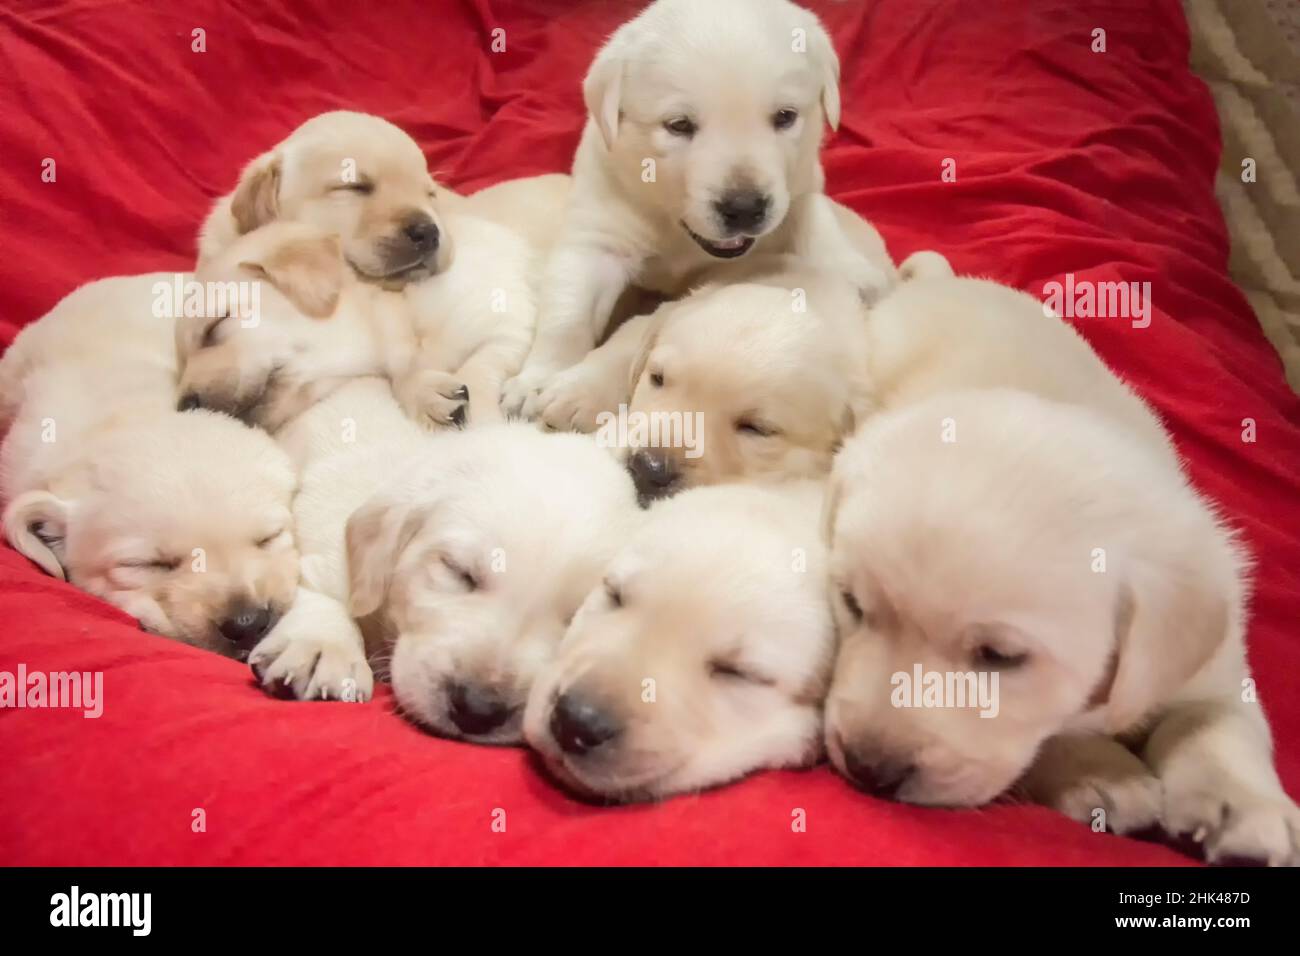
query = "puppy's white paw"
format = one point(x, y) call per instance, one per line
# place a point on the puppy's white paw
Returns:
point(573, 398)
point(518, 391)
point(1126, 805)
point(436, 399)
point(1236, 826)
point(312, 665)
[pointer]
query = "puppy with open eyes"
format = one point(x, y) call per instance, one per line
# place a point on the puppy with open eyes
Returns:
point(469, 567)
point(364, 180)
point(702, 656)
point(1055, 548)
point(701, 147)
point(180, 520)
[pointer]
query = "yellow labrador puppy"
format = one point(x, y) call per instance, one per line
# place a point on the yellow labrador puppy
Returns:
point(703, 655)
point(181, 520)
point(318, 326)
point(345, 446)
point(705, 121)
point(471, 565)
point(361, 178)
point(998, 541)
point(755, 380)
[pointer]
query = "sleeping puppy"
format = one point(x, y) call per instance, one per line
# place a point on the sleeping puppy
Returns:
point(180, 520)
point(351, 174)
point(1042, 545)
point(318, 326)
point(936, 332)
point(771, 372)
point(345, 446)
point(363, 179)
point(473, 563)
point(703, 655)
point(701, 144)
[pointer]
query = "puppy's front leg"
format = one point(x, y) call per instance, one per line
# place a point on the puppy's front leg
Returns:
point(1091, 778)
point(428, 392)
point(1215, 760)
point(599, 383)
point(580, 288)
point(315, 652)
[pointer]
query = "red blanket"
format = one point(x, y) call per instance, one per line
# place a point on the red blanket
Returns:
point(1066, 160)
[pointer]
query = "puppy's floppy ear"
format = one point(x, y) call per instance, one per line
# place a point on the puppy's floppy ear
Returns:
point(602, 89)
point(257, 197)
point(309, 271)
point(1168, 623)
point(36, 524)
point(377, 534)
point(820, 46)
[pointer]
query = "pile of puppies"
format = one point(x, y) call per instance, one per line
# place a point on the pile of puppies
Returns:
point(339, 473)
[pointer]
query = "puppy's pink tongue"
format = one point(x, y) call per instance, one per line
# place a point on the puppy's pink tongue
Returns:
point(731, 243)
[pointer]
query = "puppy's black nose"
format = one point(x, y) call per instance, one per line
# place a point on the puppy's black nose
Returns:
point(652, 472)
point(188, 402)
point(246, 624)
point(880, 777)
point(742, 210)
point(475, 709)
point(579, 727)
point(421, 231)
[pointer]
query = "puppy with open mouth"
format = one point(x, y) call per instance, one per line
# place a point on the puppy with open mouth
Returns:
point(701, 149)
point(703, 654)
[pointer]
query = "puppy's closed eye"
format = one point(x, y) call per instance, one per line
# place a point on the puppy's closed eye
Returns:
point(851, 605)
point(466, 578)
point(729, 670)
point(614, 594)
point(362, 187)
point(154, 564)
point(267, 541)
point(752, 426)
point(210, 333)
point(993, 658)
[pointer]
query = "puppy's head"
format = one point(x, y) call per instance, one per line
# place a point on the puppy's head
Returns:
point(357, 176)
point(477, 565)
point(741, 382)
point(182, 522)
point(702, 655)
point(1004, 569)
point(270, 326)
point(727, 98)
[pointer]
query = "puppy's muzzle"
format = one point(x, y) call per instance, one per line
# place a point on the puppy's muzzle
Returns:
point(654, 475)
point(475, 709)
point(876, 772)
point(246, 624)
point(742, 211)
point(422, 233)
point(579, 726)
